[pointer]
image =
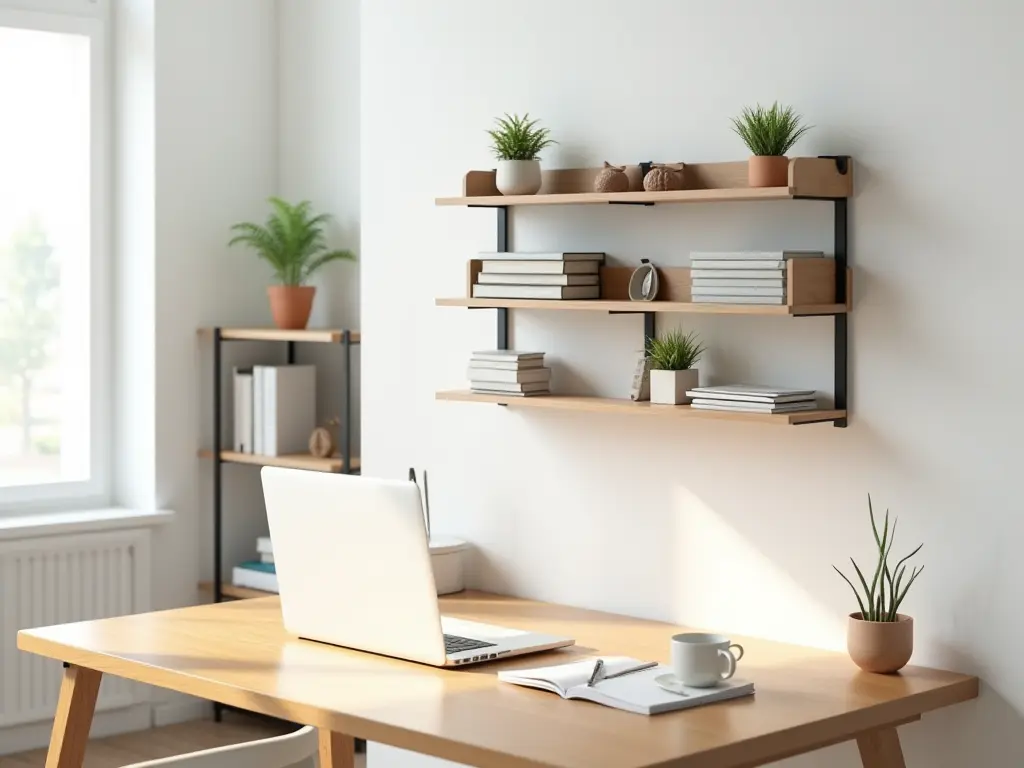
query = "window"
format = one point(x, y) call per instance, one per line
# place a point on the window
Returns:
point(54, 297)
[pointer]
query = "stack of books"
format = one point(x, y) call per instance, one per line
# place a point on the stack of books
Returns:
point(753, 398)
point(258, 574)
point(741, 277)
point(274, 409)
point(507, 372)
point(539, 276)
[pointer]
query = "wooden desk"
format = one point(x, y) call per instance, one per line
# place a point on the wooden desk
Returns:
point(239, 654)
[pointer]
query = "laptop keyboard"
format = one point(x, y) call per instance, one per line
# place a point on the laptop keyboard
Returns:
point(456, 644)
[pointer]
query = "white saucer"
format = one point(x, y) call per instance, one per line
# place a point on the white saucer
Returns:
point(671, 684)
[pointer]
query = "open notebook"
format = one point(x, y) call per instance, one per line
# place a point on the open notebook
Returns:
point(634, 693)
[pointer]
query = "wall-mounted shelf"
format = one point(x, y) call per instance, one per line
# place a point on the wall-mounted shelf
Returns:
point(809, 177)
point(296, 461)
point(610, 405)
point(305, 336)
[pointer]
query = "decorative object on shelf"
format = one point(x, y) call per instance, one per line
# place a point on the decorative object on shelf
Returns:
point(517, 143)
point(664, 178)
point(294, 245)
point(640, 389)
point(643, 283)
point(322, 442)
point(673, 356)
point(753, 398)
point(612, 178)
point(879, 637)
point(538, 275)
point(743, 277)
point(769, 134)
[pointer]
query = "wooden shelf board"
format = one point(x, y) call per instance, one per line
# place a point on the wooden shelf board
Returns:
point(230, 590)
point(296, 461)
point(740, 194)
point(309, 335)
point(608, 405)
point(599, 305)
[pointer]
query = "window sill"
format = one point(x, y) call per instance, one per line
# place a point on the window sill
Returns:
point(85, 521)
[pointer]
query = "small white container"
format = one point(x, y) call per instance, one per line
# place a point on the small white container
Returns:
point(446, 557)
point(669, 387)
point(518, 177)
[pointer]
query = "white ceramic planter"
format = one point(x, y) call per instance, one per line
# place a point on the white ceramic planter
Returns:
point(518, 177)
point(446, 557)
point(669, 387)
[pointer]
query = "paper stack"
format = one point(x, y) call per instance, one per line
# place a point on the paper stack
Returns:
point(742, 277)
point(527, 275)
point(753, 398)
point(508, 372)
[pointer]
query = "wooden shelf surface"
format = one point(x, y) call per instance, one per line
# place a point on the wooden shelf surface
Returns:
point(309, 335)
point(295, 461)
point(599, 305)
point(230, 590)
point(609, 405)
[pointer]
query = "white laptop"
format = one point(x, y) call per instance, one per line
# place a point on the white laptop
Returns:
point(353, 569)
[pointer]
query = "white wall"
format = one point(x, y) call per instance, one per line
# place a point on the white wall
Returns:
point(720, 525)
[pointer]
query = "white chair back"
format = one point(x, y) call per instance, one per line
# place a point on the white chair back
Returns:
point(293, 749)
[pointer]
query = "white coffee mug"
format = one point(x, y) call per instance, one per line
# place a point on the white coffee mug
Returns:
point(703, 661)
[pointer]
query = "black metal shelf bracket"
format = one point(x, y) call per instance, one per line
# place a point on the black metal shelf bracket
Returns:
point(503, 247)
point(840, 354)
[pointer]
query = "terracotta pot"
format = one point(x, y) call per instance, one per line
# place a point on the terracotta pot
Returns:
point(290, 305)
point(880, 646)
point(768, 171)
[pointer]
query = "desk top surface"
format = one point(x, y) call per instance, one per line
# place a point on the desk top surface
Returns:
point(238, 653)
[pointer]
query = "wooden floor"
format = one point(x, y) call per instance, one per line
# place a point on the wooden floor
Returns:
point(117, 751)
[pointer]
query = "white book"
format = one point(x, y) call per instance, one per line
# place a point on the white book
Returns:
point(735, 398)
point(509, 387)
point(542, 256)
point(637, 693)
point(243, 410)
point(508, 365)
point(724, 282)
point(740, 266)
point(699, 299)
point(732, 274)
point(554, 292)
point(481, 391)
point(736, 290)
point(289, 408)
point(485, 278)
point(257, 410)
point(749, 255)
point(528, 376)
point(764, 390)
point(247, 577)
point(505, 355)
point(540, 267)
point(263, 545)
point(267, 558)
point(722, 405)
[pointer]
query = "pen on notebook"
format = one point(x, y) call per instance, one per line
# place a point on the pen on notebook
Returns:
point(597, 674)
point(630, 671)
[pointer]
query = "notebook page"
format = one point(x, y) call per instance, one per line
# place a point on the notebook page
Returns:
point(566, 676)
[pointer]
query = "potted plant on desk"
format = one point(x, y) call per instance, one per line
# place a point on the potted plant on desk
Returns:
point(879, 637)
point(769, 134)
point(517, 143)
point(672, 357)
point(293, 243)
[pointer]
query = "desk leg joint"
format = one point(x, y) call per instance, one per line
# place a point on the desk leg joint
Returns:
point(336, 750)
point(881, 749)
point(75, 707)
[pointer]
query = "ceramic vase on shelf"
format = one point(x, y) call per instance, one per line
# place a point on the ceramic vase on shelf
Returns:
point(518, 177)
point(768, 171)
point(880, 646)
point(290, 305)
point(669, 387)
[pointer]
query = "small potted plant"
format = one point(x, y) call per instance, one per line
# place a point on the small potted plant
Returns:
point(672, 357)
point(879, 638)
point(769, 134)
point(293, 243)
point(517, 143)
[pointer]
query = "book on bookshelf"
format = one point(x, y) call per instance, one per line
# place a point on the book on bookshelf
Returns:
point(750, 255)
point(485, 278)
point(736, 290)
point(263, 545)
point(542, 255)
point(703, 299)
point(286, 408)
point(255, 575)
point(479, 374)
point(242, 390)
point(553, 292)
point(505, 356)
point(509, 388)
point(505, 393)
point(724, 405)
point(724, 282)
point(508, 365)
point(498, 267)
point(730, 274)
point(758, 390)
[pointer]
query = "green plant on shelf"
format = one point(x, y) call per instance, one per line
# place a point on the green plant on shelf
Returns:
point(881, 599)
point(769, 131)
point(519, 138)
point(291, 241)
point(675, 351)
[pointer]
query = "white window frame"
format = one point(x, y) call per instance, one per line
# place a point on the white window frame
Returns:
point(90, 18)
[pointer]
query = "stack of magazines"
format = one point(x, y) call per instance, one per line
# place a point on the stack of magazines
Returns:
point(508, 372)
point(753, 398)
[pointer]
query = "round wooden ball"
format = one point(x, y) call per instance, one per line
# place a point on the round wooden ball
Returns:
point(611, 178)
point(321, 443)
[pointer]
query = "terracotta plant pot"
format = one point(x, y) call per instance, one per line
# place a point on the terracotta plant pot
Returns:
point(880, 646)
point(290, 305)
point(768, 171)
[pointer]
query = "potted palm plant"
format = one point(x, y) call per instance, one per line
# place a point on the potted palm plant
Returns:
point(517, 143)
point(769, 134)
point(293, 243)
point(879, 638)
point(672, 357)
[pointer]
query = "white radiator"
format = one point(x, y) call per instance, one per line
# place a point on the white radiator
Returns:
point(60, 579)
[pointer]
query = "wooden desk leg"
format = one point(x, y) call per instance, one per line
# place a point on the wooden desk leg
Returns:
point(336, 750)
point(879, 749)
point(75, 707)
